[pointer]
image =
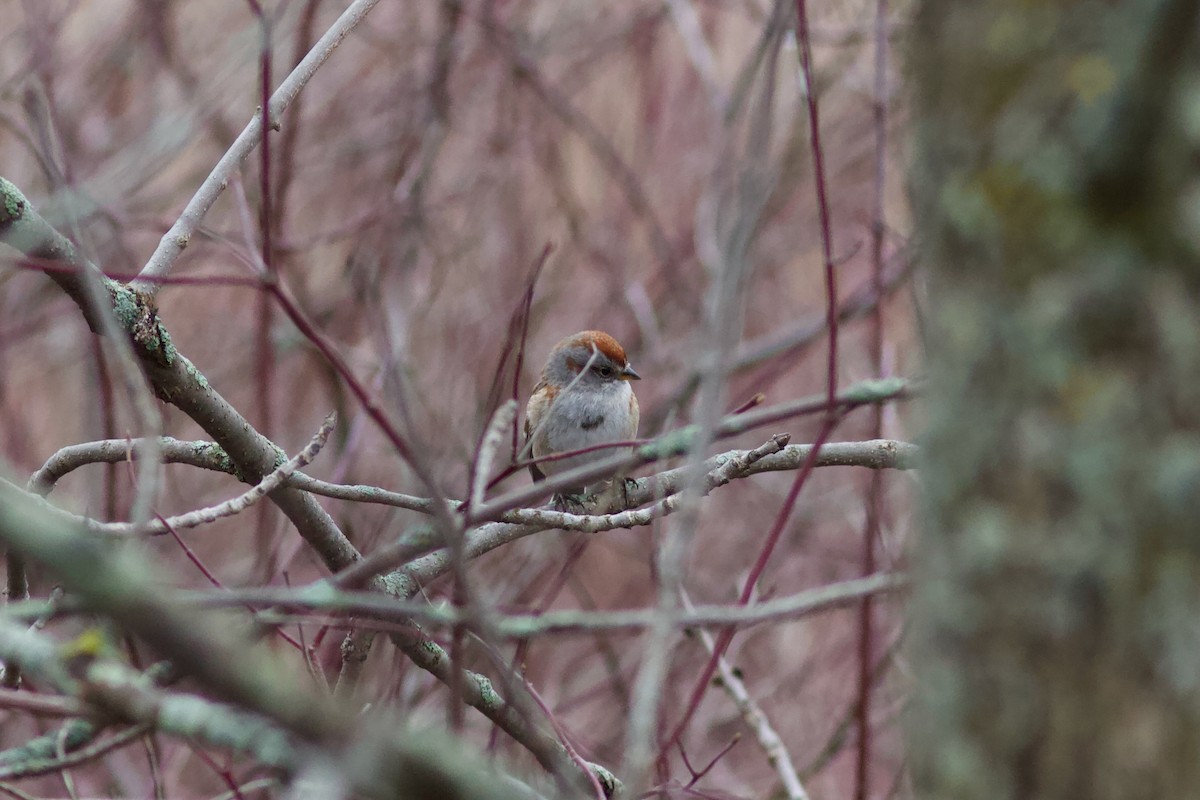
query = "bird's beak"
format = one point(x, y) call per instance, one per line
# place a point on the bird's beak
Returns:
point(630, 374)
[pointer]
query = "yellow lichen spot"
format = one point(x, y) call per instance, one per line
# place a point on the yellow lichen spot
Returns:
point(91, 644)
point(1090, 77)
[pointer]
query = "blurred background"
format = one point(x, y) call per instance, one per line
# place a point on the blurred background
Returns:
point(414, 183)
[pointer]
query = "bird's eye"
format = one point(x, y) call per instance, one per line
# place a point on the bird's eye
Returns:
point(604, 372)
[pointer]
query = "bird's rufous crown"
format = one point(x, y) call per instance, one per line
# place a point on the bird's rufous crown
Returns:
point(606, 344)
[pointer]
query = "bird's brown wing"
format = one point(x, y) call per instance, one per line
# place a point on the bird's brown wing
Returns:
point(534, 409)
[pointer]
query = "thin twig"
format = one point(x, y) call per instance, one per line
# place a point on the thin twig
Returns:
point(874, 492)
point(174, 378)
point(527, 71)
point(230, 507)
point(489, 446)
point(489, 537)
point(680, 442)
point(525, 626)
point(181, 233)
point(687, 23)
point(41, 705)
point(770, 741)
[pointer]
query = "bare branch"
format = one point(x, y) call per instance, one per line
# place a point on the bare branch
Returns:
point(281, 724)
point(229, 508)
point(319, 597)
point(756, 719)
point(519, 523)
point(501, 422)
point(677, 443)
point(174, 378)
point(205, 455)
point(180, 235)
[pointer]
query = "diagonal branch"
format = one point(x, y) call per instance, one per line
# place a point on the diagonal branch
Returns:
point(180, 235)
point(174, 379)
point(229, 508)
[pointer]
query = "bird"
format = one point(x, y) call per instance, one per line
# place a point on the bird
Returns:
point(584, 398)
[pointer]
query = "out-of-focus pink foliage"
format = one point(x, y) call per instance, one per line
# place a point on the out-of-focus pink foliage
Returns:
point(416, 180)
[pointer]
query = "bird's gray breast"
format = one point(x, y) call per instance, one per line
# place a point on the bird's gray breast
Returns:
point(583, 418)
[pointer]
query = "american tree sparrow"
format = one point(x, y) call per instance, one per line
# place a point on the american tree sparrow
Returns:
point(583, 399)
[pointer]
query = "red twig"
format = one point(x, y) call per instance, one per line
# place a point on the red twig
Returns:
point(377, 415)
point(696, 776)
point(726, 635)
point(517, 466)
point(314, 669)
point(213, 579)
point(549, 596)
point(874, 499)
point(520, 317)
point(814, 127)
point(525, 311)
point(753, 402)
point(566, 741)
point(224, 773)
point(264, 351)
point(285, 164)
point(832, 418)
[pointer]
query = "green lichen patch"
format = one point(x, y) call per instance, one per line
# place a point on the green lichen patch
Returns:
point(137, 314)
point(12, 202)
point(214, 454)
point(195, 374)
point(487, 692)
point(875, 391)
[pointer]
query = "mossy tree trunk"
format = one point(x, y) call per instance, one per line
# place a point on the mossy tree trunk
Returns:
point(1056, 601)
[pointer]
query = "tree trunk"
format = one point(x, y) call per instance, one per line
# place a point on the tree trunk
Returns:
point(1056, 601)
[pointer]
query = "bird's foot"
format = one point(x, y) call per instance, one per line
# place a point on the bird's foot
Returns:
point(570, 503)
point(628, 485)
